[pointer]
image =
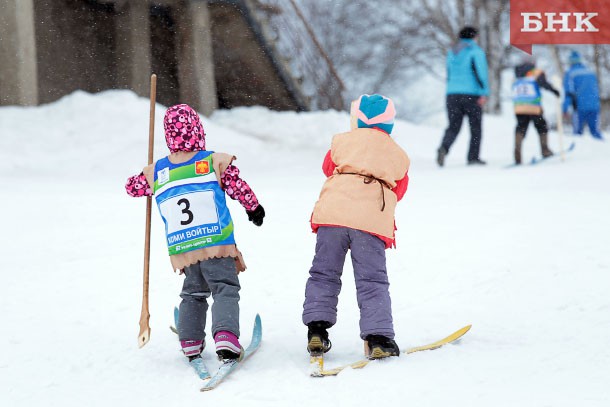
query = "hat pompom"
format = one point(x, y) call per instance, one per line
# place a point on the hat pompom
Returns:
point(375, 111)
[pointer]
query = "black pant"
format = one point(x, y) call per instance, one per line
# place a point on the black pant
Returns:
point(459, 106)
point(523, 122)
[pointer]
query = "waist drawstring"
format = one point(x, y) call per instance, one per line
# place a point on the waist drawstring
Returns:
point(369, 179)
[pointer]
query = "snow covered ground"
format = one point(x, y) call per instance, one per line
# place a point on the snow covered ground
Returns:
point(523, 254)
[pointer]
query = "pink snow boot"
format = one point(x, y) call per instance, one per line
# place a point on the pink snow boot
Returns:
point(227, 345)
point(192, 349)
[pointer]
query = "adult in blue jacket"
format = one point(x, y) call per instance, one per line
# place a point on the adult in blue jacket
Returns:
point(582, 94)
point(467, 91)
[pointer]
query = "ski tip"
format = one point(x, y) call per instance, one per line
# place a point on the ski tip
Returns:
point(257, 328)
point(461, 332)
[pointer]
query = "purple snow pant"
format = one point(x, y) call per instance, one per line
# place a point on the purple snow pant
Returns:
point(324, 283)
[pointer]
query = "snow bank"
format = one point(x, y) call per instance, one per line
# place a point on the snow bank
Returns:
point(521, 253)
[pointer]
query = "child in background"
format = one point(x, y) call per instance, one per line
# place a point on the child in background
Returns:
point(367, 176)
point(528, 104)
point(190, 186)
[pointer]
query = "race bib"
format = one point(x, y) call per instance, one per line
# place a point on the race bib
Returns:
point(188, 211)
point(525, 90)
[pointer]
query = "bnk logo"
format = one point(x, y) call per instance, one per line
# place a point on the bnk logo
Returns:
point(563, 22)
point(559, 22)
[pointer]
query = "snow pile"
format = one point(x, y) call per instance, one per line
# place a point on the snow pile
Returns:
point(522, 254)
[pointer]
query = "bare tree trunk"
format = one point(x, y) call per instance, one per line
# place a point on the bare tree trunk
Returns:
point(598, 60)
point(461, 8)
point(490, 14)
point(598, 64)
point(557, 60)
point(425, 30)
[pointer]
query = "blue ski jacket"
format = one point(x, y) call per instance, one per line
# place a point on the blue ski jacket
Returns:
point(467, 69)
point(580, 89)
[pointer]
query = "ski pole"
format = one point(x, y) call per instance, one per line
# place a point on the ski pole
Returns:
point(144, 335)
point(557, 83)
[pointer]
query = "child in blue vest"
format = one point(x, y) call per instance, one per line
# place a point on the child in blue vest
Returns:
point(190, 186)
point(528, 105)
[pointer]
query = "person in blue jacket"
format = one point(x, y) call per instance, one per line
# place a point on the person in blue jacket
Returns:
point(467, 91)
point(582, 95)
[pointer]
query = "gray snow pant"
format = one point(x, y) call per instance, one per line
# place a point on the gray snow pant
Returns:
point(217, 277)
point(324, 283)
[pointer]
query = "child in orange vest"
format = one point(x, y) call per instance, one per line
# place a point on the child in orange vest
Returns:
point(367, 176)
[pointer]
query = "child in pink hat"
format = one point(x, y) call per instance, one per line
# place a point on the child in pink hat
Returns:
point(190, 185)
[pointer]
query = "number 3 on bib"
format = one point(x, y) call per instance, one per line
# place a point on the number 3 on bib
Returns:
point(192, 210)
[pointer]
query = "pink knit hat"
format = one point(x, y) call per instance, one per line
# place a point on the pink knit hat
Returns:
point(183, 129)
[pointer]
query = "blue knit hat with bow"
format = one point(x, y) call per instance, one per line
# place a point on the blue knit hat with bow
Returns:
point(375, 111)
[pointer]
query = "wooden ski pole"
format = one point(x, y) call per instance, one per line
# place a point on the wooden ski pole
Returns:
point(144, 335)
point(558, 85)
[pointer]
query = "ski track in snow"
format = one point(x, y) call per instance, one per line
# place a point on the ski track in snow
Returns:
point(522, 254)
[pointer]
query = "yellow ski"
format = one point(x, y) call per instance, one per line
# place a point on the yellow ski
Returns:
point(362, 363)
point(316, 365)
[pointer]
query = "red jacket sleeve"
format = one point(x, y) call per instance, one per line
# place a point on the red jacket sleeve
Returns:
point(328, 166)
point(401, 186)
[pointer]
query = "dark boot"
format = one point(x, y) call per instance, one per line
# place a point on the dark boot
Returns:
point(544, 146)
point(379, 346)
point(317, 337)
point(440, 156)
point(476, 161)
point(518, 143)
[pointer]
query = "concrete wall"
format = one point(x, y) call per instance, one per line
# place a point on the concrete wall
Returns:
point(196, 67)
point(164, 57)
point(132, 30)
point(245, 75)
point(204, 54)
point(50, 48)
point(18, 76)
point(76, 47)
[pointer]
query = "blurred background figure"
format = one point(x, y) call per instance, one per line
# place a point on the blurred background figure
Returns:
point(467, 91)
point(527, 99)
point(582, 94)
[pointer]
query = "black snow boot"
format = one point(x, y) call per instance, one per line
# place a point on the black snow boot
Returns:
point(519, 137)
point(379, 346)
point(544, 145)
point(226, 354)
point(317, 337)
point(476, 161)
point(440, 156)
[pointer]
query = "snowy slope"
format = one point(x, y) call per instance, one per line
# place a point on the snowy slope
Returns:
point(522, 254)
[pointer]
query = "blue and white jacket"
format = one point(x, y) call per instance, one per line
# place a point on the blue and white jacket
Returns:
point(581, 89)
